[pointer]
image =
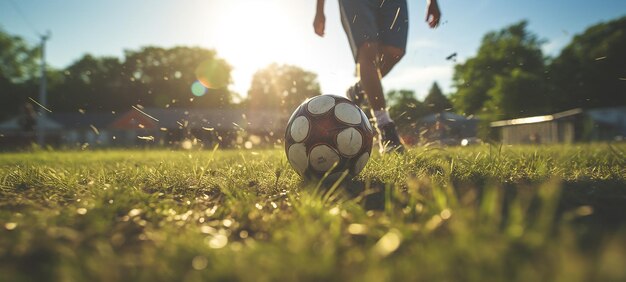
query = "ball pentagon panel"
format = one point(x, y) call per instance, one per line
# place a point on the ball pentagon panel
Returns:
point(322, 158)
point(299, 128)
point(297, 157)
point(349, 141)
point(320, 104)
point(348, 113)
point(361, 162)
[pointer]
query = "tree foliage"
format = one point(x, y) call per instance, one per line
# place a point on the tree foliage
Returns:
point(282, 87)
point(503, 56)
point(591, 70)
point(152, 77)
point(164, 76)
point(518, 94)
point(89, 84)
point(405, 109)
point(18, 69)
point(436, 101)
point(18, 61)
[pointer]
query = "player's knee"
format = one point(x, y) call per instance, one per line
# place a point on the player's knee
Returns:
point(368, 52)
point(394, 54)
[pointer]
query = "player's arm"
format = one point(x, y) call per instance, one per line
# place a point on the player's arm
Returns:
point(319, 23)
point(432, 13)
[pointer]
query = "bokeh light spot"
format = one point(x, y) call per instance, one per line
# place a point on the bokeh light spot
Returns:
point(198, 89)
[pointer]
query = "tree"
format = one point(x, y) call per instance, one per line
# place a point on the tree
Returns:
point(90, 83)
point(282, 87)
point(405, 109)
point(436, 101)
point(165, 77)
point(590, 71)
point(510, 53)
point(18, 66)
point(518, 94)
point(18, 61)
point(152, 77)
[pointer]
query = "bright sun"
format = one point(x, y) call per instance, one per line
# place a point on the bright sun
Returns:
point(250, 36)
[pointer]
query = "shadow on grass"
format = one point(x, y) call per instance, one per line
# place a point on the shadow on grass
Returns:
point(595, 208)
point(370, 194)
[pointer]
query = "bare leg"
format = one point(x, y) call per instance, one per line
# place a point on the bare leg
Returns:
point(369, 70)
point(369, 74)
point(389, 57)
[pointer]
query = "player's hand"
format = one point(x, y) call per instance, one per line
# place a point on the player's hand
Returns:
point(433, 14)
point(319, 24)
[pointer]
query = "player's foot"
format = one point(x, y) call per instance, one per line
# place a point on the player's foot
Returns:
point(356, 94)
point(390, 140)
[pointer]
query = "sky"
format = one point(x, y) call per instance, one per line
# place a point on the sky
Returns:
point(251, 34)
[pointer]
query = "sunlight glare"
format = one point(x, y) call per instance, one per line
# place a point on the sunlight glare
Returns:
point(250, 36)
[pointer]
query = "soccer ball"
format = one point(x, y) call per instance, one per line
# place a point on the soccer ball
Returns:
point(328, 133)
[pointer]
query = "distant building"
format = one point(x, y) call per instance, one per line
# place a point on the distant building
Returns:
point(81, 129)
point(13, 134)
point(151, 127)
point(447, 128)
point(576, 125)
point(171, 126)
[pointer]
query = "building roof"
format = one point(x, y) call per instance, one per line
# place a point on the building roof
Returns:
point(84, 120)
point(46, 121)
point(537, 119)
point(445, 116)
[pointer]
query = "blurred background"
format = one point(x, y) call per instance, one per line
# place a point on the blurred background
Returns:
point(195, 74)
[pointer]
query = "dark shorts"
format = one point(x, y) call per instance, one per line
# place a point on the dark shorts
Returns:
point(382, 21)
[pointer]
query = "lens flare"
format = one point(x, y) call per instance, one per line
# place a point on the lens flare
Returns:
point(198, 89)
point(212, 74)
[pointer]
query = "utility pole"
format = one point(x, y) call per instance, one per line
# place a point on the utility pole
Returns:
point(43, 99)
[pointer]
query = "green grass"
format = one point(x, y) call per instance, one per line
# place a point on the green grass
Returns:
point(553, 213)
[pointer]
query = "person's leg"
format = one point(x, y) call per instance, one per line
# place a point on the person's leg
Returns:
point(393, 28)
point(358, 18)
point(392, 31)
point(368, 71)
point(389, 57)
point(361, 20)
point(392, 18)
point(393, 25)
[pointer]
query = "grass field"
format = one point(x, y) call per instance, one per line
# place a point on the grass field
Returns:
point(551, 213)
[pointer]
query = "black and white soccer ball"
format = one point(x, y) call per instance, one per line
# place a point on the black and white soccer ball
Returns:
point(328, 133)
